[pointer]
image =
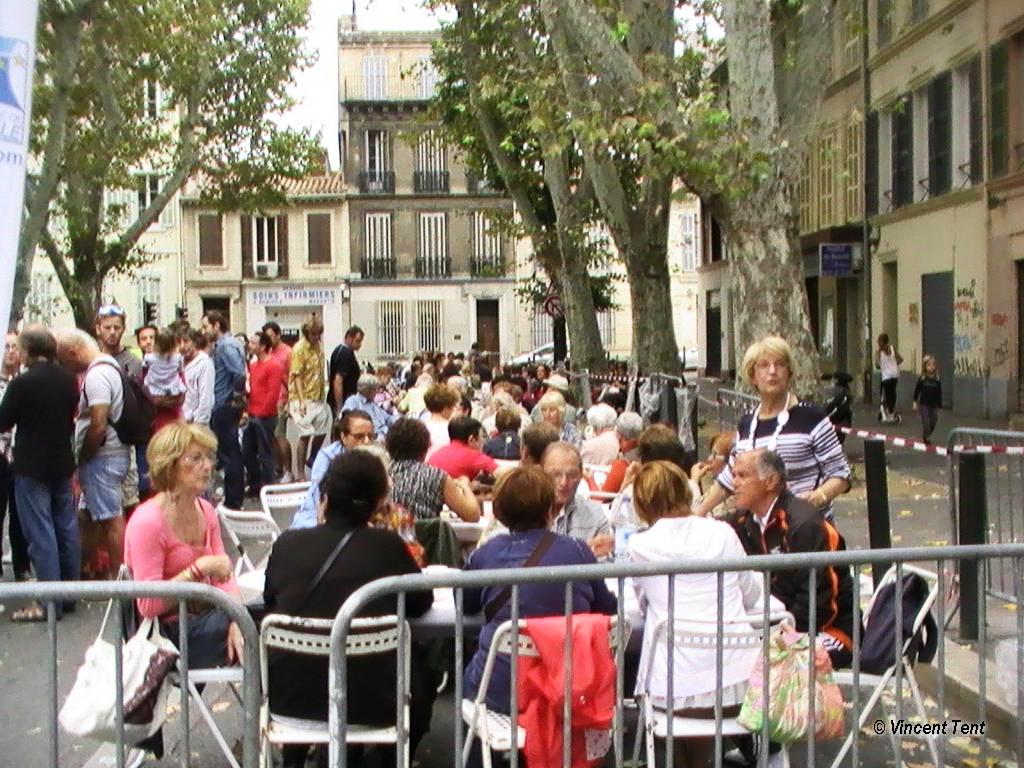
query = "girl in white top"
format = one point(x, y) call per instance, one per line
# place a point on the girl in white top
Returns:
point(888, 361)
point(661, 494)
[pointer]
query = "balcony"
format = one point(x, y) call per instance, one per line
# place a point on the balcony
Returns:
point(379, 268)
point(414, 87)
point(433, 267)
point(487, 266)
point(430, 181)
point(377, 182)
point(481, 185)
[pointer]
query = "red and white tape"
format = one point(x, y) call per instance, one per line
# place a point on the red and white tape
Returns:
point(917, 445)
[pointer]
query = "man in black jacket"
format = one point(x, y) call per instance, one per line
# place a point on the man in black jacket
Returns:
point(344, 370)
point(771, 520)
point(41, 404)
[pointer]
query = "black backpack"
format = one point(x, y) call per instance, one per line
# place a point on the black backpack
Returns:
point(135, 427)
point(878, 651)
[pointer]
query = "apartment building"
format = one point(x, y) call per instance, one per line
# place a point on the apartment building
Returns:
point(430, 268)
point(936, 156)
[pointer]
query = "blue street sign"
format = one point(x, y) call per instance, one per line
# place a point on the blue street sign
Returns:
point(835, 259)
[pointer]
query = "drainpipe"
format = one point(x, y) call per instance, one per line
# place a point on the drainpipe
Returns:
point(865, 225)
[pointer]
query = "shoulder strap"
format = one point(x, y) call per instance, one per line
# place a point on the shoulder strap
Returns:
point(324, 568)
point(495, 605)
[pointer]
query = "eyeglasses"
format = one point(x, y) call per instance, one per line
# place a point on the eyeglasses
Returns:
point(570, 476)
point(199, 458)
point(764, 365)
point(110, 310)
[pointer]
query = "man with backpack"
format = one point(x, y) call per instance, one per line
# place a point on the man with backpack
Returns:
point(102, 456)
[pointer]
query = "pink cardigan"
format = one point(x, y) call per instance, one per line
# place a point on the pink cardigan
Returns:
point(154, 553)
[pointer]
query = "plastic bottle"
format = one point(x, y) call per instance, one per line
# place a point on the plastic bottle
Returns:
point(624, 523)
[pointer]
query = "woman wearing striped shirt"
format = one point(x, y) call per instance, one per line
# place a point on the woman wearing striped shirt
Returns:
point(801, 434)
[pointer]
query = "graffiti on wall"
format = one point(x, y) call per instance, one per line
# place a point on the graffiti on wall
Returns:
point(969, 329)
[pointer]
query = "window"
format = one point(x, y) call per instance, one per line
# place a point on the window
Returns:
point(211, 249)
point(975, 117)
point(918, 11)
point(884, 24)
point(999, 109)
point(487, 258)
point(851, 171)
point(429, 330)
point(148, 189)
point(148, 295)
point(318, 238)
point(390, 328)
point(40, 306)
point(940, 129)
point(885, 150)
point(543, 330)
point(432, 245)
point(803, 193)
point(902, 153)
point(375, 77)
point(151, 99)
point(920, 152)
point(851, 36)
point(121, 206)
point(264, 240)
point(431, 172)
point(826, 178)
point(378, 261)
point(376, 175)
point(427, 80)
point(689, 241)
point(606, 326)
point(872, 163)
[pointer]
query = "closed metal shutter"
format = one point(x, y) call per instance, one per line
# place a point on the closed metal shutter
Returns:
point(937, 327)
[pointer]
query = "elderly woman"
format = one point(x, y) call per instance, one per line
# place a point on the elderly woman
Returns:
point(801, 434)
point(603, 447)
point(412, 401)
point(354, 489)
point(522, 503)
point(553, 410)
point(441, 402)
point(418, 487)
point(175, 536)
point(628, 427)
point(661, 493)
point(365, 400)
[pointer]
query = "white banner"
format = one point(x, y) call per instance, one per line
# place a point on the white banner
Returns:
point(17, 61)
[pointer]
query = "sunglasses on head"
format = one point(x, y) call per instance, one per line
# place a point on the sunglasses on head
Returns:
point(110, 310)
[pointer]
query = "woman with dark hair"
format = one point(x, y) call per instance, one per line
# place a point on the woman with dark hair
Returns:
point(422, 489)
point(354, 488)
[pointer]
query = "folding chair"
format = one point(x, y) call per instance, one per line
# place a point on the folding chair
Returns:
point(887, 680)
point(494, 729)
point(254, 526)
point(311, 637)
point(283, 499)
point(655, 720)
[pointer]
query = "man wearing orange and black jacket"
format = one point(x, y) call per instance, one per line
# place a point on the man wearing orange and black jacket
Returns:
point(771, 520)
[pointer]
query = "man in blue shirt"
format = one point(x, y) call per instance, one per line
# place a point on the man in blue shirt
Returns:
point(363, 400)
point(353, 429)
point(228, 384)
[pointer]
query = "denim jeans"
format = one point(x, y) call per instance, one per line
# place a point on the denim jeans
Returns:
point(258, 450)
point(9, 508)
point(47, 513)
point(224, 423)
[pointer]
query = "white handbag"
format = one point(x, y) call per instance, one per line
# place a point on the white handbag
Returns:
point(90, 709)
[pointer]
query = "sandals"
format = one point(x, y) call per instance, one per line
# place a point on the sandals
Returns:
point(30, 613)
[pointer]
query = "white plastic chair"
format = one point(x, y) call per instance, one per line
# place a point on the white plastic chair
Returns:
point(655, 720)
point(229, 676)
point(311, 637)
point(283, 499)
point(254, 526)
point(887, 681)
point(494, 729)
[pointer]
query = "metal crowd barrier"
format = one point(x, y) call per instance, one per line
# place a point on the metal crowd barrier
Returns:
point(1004, 486)
point(732, 405)
point(341, 705)
point(49, 593)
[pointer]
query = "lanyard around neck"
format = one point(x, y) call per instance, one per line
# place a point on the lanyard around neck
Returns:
point(780, 422)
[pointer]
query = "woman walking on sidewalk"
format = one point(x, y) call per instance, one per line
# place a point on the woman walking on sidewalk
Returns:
point(888, 361)
point(928, 397)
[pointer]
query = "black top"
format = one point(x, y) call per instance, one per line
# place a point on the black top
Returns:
point(928, 392)
point(41, 403)
point(298, 684)
point(344, 364)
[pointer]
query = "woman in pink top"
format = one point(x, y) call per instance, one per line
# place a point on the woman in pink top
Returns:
point(175, 536)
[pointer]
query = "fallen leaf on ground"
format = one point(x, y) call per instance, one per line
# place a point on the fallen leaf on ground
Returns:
point(907, 512)
point(896, 539)
point(35, 731)
point(221, 706)
point(937, 542)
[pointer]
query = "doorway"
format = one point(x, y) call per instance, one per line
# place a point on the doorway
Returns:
point(220, 304)
point(488, 334)
point(937, 327)
point(713, 335)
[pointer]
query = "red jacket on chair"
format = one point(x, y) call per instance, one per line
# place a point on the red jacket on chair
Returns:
point(541, 688)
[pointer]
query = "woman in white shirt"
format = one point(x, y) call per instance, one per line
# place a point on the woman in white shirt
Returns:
point(662, 497)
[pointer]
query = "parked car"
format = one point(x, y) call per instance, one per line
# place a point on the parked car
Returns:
point(542, 354)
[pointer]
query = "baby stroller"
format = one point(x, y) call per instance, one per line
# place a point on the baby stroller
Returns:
point(839, 406)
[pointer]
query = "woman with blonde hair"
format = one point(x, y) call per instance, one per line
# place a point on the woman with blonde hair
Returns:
point(662, 496)
point(552, 410)
point(799, 432)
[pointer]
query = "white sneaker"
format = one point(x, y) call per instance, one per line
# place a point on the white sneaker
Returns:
point(286, 477)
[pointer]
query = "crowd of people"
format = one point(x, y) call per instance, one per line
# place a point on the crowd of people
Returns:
point(94, 435)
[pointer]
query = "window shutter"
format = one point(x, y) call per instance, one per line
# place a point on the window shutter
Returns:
point(974, 120)
point(247, 269)
point(282, 246)
point(903, 153)
point(318, 238)
point(940, 127)
point(871, 165)
point(999, 68)
point(211, 252)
